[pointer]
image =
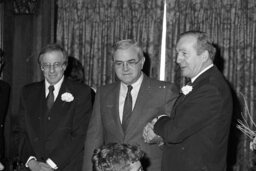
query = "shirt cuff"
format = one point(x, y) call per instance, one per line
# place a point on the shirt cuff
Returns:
point(52, 164)
point(30, 158)
point(161, 116)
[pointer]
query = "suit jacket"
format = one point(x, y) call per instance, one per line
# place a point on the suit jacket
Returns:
point(105, 126)
point(4, 101)
point(57, 134)
point(196, 134)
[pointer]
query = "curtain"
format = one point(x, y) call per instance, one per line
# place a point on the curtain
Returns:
point(232, 26)
point(89, 28)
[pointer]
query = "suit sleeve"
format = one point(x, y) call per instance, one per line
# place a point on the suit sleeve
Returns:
point(171, 96)
point(192, 116)
point(73, 144)
point(5, 94)
point(24, 147)
point(94, 138)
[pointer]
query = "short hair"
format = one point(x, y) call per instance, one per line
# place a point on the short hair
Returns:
point(116, 157)
point(53, 48)
point(204, 43)
point(74, 70)
point(128, 43)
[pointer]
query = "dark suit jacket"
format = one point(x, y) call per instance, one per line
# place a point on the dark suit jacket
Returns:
point(58, 134)
point(4, 101)
point(105, 126)
point(196, 135)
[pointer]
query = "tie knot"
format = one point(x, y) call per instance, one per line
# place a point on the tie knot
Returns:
point(51, 88)
point(129, 88)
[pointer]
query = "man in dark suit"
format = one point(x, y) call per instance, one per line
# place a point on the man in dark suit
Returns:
point(54, 116)
point(4, 101)
point(196, 133)
point(122, 109)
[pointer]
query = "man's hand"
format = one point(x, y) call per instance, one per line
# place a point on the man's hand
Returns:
point(38, 166)
point(149, 135)
point(1, 166)
point(45, 167)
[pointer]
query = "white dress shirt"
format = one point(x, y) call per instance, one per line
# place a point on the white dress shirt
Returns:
point(134, 93)
point(194, 78)
point(56, 88)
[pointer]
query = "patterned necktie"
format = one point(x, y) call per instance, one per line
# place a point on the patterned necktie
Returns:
point(127, 108)
point(50, 97)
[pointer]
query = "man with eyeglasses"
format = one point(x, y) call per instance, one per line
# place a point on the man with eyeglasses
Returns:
point(123, 108)
point(54, 116)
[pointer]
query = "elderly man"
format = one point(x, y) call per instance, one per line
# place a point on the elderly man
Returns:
point(196, 133)
point(54, 116)
point(122, 109)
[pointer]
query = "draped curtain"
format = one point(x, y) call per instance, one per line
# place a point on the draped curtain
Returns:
point(232, 26)
point(89, 28)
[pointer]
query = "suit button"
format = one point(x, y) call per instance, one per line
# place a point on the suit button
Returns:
point(49, 118)
point(182, 148)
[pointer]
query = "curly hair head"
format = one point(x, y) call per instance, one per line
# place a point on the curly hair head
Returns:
point(116, 157)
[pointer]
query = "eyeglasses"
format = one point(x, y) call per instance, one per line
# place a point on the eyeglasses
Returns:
point(47, 66)
point(130, 63)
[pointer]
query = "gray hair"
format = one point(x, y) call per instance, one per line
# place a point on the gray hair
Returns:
point(53, 48)
point(128, 43)
point(204, 43)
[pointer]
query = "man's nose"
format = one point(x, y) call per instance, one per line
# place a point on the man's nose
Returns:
point(125, 66)
point(179, 58)
point(52, 68)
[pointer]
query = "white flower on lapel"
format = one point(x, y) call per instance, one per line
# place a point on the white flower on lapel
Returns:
point(67, 97)
point(186, 89)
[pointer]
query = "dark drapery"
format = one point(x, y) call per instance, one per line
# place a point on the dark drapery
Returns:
point(89, 28)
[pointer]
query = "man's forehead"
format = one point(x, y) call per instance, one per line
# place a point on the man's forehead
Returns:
point(186, 41)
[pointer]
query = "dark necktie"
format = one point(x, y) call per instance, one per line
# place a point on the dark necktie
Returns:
point(127, 108)
point(50, 97)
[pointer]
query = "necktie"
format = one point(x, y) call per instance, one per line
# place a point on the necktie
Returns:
point(127, 108)
point(50, 97)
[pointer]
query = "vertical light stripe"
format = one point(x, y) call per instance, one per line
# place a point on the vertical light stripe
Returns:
point(163, 47)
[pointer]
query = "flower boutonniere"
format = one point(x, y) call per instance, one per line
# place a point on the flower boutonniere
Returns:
point(67, 97)
point(186, 89)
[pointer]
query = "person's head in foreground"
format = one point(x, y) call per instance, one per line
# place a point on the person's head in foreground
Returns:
point(117, 157)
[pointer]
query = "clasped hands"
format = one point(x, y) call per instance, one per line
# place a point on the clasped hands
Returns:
point(39, 166)
point(149, 135)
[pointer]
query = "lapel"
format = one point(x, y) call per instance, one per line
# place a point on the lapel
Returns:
point(143, 94)
point(36, 113)
point(111, 111)
point(60, 109)
point(196, 84)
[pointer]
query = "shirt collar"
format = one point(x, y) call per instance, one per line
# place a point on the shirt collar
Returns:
point(136, 84)
point(194, 78)
point(56, 86)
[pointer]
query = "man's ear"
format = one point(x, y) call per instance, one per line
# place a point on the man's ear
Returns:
point(205, 56)
point(143, 61)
